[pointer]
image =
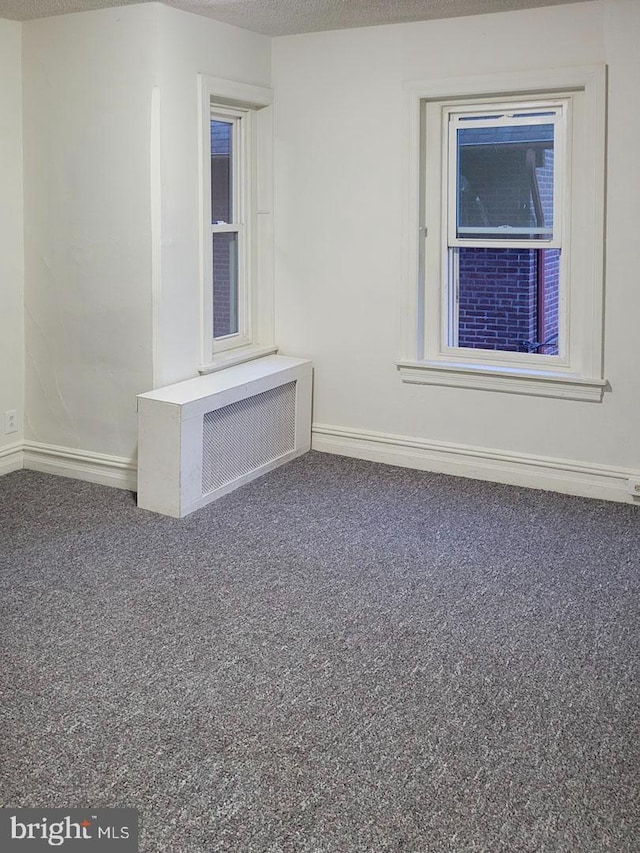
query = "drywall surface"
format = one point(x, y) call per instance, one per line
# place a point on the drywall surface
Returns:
point(113, 288)
point(88, 80)
point(188, 45)
point(341, 214)
point(11, 225)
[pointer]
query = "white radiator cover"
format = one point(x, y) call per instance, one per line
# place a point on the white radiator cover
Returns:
point(202, 438)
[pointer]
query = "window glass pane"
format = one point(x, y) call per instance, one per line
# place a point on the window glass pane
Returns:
point(225, 284)
point(505, 182)
point(507, 299)
point(221, 172)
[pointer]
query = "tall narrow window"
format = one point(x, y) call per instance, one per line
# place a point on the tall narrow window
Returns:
point(227, 225)
point(236, 242)
point(504, 236)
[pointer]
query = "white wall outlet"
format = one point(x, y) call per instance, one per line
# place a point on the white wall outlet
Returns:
point(11, 421)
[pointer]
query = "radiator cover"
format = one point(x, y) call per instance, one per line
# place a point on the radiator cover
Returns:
point(199, 439)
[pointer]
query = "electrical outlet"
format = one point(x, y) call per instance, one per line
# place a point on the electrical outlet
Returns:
point(11, 421)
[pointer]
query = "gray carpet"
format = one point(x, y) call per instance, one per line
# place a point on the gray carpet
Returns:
point(338, 657)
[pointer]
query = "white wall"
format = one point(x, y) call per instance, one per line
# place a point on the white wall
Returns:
point(189, 45)
point(11, 248)
point(112, 214)
point(112, 289)
point(340, 208)
point(88, 79)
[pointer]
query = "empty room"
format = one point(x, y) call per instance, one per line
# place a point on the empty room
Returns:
point(320, 426)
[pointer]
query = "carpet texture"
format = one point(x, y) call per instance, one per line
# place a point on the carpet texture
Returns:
point(338, 657)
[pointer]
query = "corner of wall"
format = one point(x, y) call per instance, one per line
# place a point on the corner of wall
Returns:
point(11, 238)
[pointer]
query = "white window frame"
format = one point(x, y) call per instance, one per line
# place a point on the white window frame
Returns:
point(240, 224)
point(452, 121)
point(428, 358)
point(250, 109)
point(451, 241)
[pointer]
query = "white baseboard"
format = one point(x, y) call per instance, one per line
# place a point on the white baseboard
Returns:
point(11, 458)
point(85, 465)
point(479, 463)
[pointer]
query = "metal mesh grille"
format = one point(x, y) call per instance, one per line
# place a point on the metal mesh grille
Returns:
point(248, 434)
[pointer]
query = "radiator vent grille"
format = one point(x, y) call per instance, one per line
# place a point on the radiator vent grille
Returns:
point(244, 436)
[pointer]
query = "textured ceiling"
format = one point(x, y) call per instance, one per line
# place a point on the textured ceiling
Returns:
point(286, 17)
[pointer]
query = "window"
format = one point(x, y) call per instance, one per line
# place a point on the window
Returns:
point(506, 291)
point(227, 227)
point(236, 208)
point(504, 201)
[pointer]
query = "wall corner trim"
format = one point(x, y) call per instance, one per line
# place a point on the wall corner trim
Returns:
point(567, 476)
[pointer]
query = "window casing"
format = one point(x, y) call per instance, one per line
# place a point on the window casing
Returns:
point(510, 171)
point(236, 195)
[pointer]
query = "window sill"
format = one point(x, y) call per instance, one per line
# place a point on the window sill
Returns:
point(507, 380)
point(233, 357)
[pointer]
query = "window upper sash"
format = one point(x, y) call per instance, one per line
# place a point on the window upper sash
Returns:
point(504, 175)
